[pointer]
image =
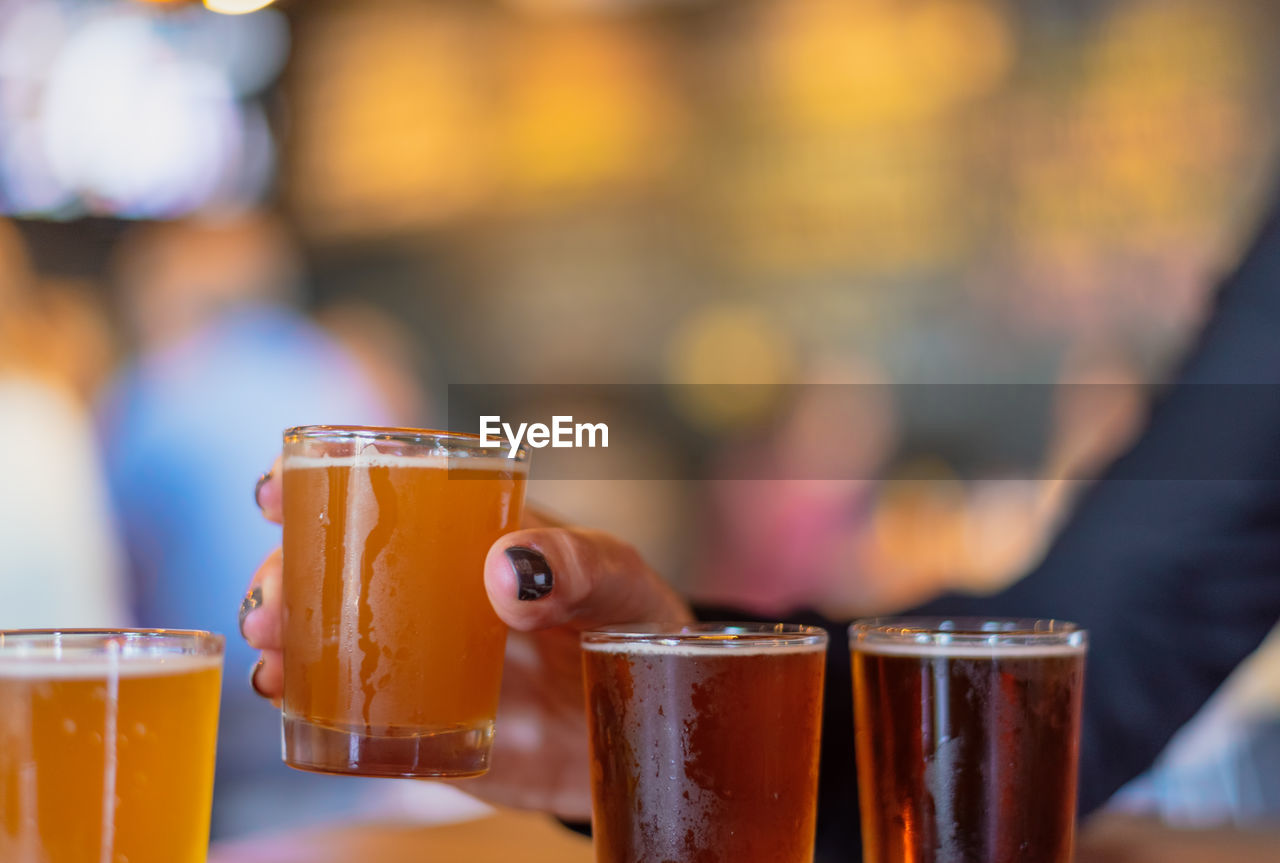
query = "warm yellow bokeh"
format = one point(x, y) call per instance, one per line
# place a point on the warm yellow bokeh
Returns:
point(584, 105)
point(1132, 152)
point(832, 64)
point(729, 363)
point(393, 131)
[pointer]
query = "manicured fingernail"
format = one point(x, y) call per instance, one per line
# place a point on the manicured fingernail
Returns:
point(252, 600)
point(533, 573)
point(257, 489)
point(253, 676)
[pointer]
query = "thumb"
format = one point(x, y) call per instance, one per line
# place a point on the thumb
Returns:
point(546, 577)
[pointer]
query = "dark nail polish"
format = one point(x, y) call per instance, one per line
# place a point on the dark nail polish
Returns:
point(253, 676)
point(533, 573)
point(257, 489)
point(252, 600)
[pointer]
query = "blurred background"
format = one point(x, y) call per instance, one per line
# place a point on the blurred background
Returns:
point(219, 225)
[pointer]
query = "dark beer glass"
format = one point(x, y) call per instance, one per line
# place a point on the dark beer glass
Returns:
point(968, 737)
point(704, 742)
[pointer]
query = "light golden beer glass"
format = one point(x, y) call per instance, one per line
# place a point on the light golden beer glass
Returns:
point(107, 745)
point(392, 652)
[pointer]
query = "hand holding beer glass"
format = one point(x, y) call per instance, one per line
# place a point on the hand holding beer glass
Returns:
point(392, 652)
point(598, 580)
point(968, 737)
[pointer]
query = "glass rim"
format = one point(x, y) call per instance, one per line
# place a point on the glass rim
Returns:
point(709, 635)
point(458, 443)
point(205, 643)
point(910, 632)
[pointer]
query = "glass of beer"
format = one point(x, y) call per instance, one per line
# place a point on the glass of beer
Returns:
point(704, 741)
point(968, 738)
point(392, 652)
point(107, 745)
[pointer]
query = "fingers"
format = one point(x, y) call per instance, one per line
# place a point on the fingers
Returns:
point(268, 493)
point(262, 610)
point(267, 678)
point(545, 577)
point(261, 616)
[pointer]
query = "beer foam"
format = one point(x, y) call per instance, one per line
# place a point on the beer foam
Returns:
point(968, 650)
point(43, 664)
point(678, 646)
point(435, 462)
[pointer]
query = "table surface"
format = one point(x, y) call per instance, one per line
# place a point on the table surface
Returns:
point(1126, 839)
point(522, 837)
point(506, 837)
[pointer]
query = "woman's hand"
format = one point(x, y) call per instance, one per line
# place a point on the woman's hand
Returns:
point(540, 758)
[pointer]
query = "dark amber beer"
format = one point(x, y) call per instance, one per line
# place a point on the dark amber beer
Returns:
point(704, 742)
point(107, 745)
point(393, 654)
point(968, 736)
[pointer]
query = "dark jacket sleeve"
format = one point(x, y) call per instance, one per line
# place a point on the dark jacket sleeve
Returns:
point(1172, 559)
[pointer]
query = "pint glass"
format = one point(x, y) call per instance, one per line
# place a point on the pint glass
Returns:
point(107, 745)
point(704, 742)
point(968, 735)
point(392, 652)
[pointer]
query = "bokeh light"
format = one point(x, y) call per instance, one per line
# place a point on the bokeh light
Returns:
point(126, 110)
point(237, 7)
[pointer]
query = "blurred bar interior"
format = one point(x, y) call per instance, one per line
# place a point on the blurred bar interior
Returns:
point(219, 225)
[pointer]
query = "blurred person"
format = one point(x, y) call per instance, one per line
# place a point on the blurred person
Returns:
point(916, 546)
point(1097, 410)
point(789, 501)
point(1171, 561)
point(224, 363)
point(639, 495)
point(387, 356)
point(60, 561)
point(81, 342)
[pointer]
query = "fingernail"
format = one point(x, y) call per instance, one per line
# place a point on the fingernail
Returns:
point(257, 489)
point(252, 600)
point(533, 573)
point(253, 676)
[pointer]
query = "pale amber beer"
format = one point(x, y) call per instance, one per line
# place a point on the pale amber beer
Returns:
point(393, 653)
point(704, 742)
point(968, 736)
point(107, 745)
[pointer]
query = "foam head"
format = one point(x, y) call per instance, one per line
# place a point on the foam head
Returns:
point(705, 648)
point(374, 459)
point(44, 664)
